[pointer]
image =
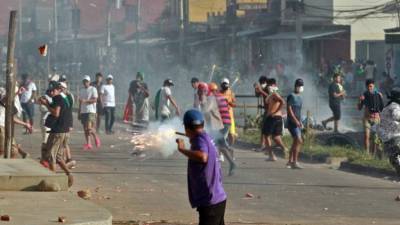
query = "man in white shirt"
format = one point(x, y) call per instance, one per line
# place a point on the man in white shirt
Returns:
point(165, 99)
point(27, 95)
point(108, 99)
point(87, 112)
point(15, 147)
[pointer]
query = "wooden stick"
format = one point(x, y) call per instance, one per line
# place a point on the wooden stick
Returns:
point(10, 85)
point(180, 133)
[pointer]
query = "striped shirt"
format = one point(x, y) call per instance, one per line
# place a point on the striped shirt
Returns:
point(223, 108)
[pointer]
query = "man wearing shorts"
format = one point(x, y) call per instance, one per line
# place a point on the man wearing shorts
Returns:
point(294, 105)
point(372, 102)
point(273, 125)
point(27, 96)
point(87, 112)
point(59, 131)
point(336, 95)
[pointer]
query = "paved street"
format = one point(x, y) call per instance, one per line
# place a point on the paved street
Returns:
point(155, 189)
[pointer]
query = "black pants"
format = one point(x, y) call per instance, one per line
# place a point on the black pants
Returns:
point(109, 115)
point(212, 215)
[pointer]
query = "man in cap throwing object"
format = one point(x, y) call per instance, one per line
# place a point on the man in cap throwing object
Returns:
point(206, 192)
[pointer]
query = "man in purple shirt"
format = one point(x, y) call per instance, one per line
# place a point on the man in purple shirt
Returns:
point(206, 192)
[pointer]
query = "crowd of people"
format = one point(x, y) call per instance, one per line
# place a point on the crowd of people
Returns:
point(210, 125)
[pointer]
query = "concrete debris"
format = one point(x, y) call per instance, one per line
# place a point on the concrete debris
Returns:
point(5, 218)
point(48, 187)
point(85, 194)
point(62, 219)
point(249, 195)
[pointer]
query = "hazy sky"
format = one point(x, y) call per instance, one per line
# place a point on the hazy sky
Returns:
point(365, 29)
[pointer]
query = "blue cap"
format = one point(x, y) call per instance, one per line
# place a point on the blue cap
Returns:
point(193, 117)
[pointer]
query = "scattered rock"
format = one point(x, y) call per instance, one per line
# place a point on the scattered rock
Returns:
point(48, 187)
point(5, 218)
point(61, 219)
point(85, 194)
point(249, 195)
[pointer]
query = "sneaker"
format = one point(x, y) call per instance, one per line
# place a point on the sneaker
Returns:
point(87, 147)
point(289, 165)
point(98, 142)
point(221, 158)
point(45, 164)
point(297, 166)
point(271, 159)
point(25, 155)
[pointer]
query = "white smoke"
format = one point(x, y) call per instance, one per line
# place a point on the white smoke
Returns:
point(159, 138)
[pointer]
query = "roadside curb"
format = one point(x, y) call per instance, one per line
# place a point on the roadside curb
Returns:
point(365, 170)
point(306, 157)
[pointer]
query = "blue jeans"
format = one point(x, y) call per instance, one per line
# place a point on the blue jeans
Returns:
point(109, 114)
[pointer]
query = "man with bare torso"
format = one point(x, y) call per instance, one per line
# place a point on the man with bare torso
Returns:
point(273, 126)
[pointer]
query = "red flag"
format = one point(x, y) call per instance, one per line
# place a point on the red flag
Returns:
point(43, 50)
point(128, 112)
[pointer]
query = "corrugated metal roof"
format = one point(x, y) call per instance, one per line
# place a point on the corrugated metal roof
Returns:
point(306, 35)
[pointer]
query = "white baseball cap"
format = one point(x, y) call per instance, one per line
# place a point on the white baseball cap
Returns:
point(86, 77)
point(64, 85)
point(225, 80)
point(110, 77)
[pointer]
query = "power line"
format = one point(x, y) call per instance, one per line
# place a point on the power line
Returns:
point(381, 6)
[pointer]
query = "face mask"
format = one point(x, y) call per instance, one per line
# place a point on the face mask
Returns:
point(263, 86)
point(301, 89)
point(272, 89)
point(224, 87)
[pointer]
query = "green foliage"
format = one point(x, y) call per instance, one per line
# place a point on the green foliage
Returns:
point(315, 150)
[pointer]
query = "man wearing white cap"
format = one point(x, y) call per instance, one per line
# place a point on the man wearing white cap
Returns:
point(107, 92)
point(87, 112)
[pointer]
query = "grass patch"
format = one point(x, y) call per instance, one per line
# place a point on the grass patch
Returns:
point(314, 150)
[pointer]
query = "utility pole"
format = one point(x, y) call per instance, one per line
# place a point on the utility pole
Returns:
point(20, 20)
point(137, 58)
point(299, 32)
point(231, 21)
point(181, 30)
point(108, 41)
point(55, 22)
point(10, 85)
